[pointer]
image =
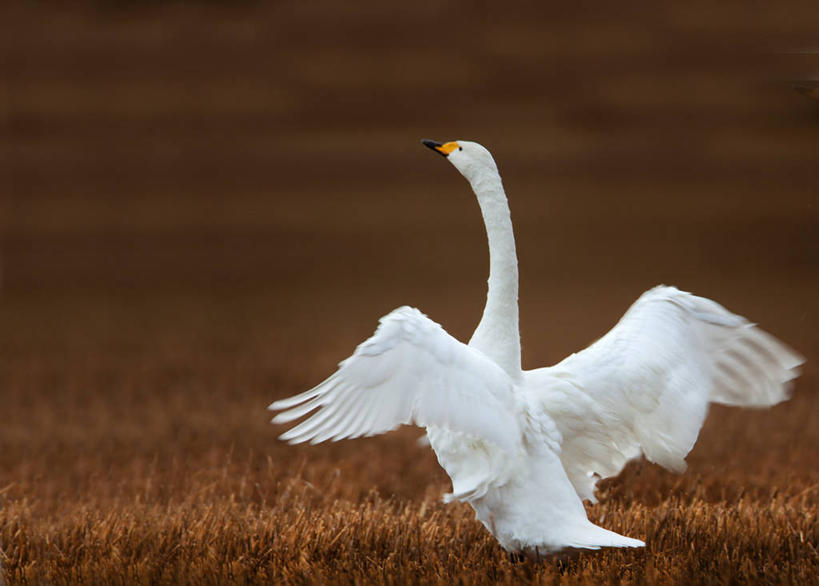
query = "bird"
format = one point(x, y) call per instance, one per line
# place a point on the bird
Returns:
point(525, 448)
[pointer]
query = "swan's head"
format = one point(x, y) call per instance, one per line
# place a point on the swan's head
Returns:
point(470, 158)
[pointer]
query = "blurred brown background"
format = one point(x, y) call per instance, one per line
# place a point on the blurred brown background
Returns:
point(205, 206)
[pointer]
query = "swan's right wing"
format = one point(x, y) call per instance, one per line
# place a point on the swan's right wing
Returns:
point(645, 386)
point(409, 372)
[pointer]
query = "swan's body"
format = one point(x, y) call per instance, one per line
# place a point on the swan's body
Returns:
point(525, 447)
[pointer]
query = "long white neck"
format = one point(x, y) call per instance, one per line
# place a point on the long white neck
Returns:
point(498, 334)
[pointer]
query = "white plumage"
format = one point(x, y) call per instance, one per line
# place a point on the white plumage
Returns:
point(525, 447)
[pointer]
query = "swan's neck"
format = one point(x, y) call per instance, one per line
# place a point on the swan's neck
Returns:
point(498, 334)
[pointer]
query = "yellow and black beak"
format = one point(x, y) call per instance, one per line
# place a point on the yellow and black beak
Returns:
point(441, 148)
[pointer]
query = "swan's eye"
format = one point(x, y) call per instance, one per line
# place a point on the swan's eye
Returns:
point(460, 148)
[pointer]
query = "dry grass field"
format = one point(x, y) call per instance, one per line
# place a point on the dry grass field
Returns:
point(205, 207)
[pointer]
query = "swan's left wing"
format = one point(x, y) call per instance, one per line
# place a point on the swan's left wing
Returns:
point(409, 372)
point(645, 386)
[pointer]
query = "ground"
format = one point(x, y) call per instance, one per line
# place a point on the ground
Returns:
point(162, 468)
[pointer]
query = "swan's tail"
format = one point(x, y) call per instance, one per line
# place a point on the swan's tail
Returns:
point(590, 536)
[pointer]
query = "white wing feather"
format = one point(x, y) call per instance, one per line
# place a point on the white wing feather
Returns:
point(646, 385)
point(409, 372)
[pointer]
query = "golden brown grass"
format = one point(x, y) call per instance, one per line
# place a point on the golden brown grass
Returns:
point(157, 465)
point(321, 538)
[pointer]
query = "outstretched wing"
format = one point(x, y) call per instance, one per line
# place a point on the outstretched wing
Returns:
point(409, 372)
point(645, 386)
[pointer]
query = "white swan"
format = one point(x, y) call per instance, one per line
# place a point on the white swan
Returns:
point(525, 447)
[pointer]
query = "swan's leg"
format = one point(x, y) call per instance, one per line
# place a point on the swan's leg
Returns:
point(517, 557)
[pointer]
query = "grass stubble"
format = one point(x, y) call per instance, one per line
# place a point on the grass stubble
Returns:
point(177, 477)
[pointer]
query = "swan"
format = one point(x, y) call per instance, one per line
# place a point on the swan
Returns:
point(525, 447)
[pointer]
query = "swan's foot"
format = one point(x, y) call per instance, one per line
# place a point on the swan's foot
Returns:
point(517, 557)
